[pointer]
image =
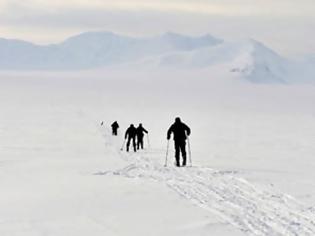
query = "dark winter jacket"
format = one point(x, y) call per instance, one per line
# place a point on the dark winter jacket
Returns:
point(131, 132)
point(180, 131)
point(141, 131)
point(115, 125)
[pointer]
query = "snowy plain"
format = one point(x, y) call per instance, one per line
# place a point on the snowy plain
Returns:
point(62, 173)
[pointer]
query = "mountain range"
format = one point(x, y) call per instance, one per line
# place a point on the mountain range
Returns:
point(250, 59)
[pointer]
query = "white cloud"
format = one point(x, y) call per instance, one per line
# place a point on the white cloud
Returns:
point(222, 7)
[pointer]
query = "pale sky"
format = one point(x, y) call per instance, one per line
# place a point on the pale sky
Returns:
point(288, 26)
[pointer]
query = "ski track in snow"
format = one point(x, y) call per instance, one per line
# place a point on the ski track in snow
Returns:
point(254, 210)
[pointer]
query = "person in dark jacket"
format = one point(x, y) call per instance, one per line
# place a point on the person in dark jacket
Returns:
point(131, 135)
point(140, 134)
point(180, 132)
point(115, 127)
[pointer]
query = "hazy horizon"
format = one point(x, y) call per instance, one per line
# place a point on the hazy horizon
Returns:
point(282, 25)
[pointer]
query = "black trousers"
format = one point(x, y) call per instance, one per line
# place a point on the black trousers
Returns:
point(133, 140)
point(115, 132)
point(140, 142)
point(180, 147)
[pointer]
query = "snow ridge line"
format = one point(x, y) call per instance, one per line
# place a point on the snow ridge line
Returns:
point(254, 210)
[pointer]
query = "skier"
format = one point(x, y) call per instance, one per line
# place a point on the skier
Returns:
point(115, 127)
point(180, 132)
point(140, 134)
point(131, 135)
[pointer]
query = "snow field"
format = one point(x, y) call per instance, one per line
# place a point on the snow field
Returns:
point(63, 174)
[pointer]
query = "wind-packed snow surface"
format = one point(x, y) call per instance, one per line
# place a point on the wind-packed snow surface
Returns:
point(62, 173)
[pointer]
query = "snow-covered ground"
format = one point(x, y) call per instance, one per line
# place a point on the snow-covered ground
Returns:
point(61, 173)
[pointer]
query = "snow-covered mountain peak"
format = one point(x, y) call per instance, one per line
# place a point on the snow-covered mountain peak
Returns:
point(94, 35)
point(183, 42)
point(258, 63)
point(260, 50)
point(249, 59)
point(96, 49)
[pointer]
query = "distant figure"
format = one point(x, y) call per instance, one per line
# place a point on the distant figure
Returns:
point(115, 127)
point(131, 135)
point(140, 134)
point(180, 132)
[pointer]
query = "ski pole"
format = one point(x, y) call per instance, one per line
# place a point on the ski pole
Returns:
point(122, 146)
point(189, 151)
point(148, 141)
point(168, 143)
